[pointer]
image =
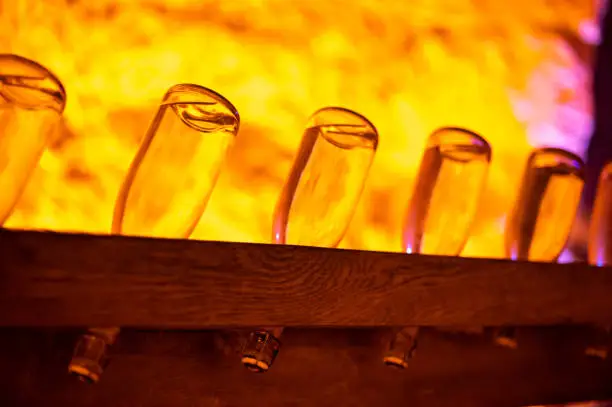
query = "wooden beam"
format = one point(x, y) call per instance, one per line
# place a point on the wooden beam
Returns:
point(315, 367)
point(51, 279)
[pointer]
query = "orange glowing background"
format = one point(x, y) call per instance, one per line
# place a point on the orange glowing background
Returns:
point(516, 72)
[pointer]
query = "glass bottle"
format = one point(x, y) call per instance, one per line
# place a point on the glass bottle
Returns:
point(32, 102)
point(318, 199)
point(600, 250)
point(540, 222)
point(449, 184)
point(167, 187)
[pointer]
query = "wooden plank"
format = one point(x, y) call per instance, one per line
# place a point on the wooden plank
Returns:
point(50, 279)
point(315, 367)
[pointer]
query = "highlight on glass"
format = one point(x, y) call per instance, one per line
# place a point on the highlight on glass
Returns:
point(543, 215)
point(167, 187)
point(600, 251)
point(318, 199)
point(32, 101)
point(449, 185)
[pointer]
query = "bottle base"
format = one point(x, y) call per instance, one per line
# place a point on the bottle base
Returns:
point(402, 348)
point(505, 337)
point(260, 351)
point(255, 365)
point(599, 352)
point(83, 374)
point(395, 361)
point(89, 359)
point(506, 342)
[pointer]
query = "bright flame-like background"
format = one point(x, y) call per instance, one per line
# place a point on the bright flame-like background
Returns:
point(518, 73)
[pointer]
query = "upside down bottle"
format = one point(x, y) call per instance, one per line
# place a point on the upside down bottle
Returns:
point(32, 102)
point(167, 187)
point(318, 199)
point(449, 185)
point(540, 222)
point(600, 249)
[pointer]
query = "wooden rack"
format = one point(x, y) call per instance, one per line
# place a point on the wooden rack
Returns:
point(198, 293)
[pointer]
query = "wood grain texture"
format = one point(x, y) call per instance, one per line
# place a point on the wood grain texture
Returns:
point(50, 279)
point(315, 367)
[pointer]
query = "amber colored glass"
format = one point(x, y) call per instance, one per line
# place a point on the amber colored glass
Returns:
point(32, 102)
point(321, 193)
point(449, 185)
point(600, 251)
point(318, 199)
point(540, 222)
point(600, 226)
point(167, 186)
point(174, 172)
point(542, 218)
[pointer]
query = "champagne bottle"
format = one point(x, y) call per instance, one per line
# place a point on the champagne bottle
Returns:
point(32, 102)
point(449, 185)
point(318, 199)
point(600, 250)
point(167, 188)
point(543, 214)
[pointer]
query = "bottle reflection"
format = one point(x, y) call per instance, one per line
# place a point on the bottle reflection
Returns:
point(32, 101)
point(449, 185)
point(167, 187)
point(318, 199)
point(543, 214)
point(600, 249)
